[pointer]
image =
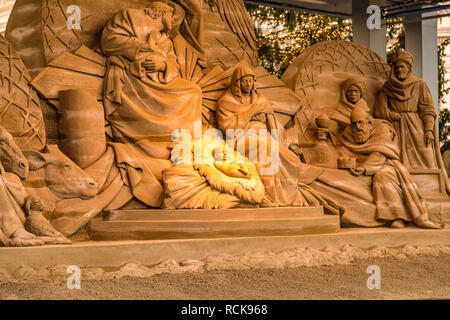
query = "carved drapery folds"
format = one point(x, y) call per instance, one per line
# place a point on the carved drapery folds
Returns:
point(134, 73)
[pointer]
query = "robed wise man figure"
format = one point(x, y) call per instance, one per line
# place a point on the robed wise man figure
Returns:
point(373, 144)
point(406, 102)
point(353, 91)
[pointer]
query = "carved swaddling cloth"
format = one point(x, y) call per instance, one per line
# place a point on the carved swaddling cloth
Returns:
point(214, 183)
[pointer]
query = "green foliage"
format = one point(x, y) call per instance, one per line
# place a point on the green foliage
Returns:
point(395, 36)
point(444, 116)
point(283, 34)
point(443, 88)
point(444, 130)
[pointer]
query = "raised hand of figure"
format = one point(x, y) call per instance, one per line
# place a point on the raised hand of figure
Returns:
point(268, 109)
point(357, 171)
point(429, 137)
point(394, 116)
point(298, 150)
point(151, 65)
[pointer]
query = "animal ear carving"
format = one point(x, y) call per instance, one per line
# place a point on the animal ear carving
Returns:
point(49, 147)
point(36, 160)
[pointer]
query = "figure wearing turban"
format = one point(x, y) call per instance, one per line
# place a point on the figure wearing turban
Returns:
point(352, 96)
point(406, 101)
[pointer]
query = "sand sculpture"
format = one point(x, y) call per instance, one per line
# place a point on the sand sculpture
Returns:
point(285, 180)
point(162, 106)
point(406, 102)
point(373, 145)
point(21, 219)
point(352, 96)
point(215, 182)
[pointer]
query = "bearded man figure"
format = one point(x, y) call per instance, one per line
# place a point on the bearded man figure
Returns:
point(353, 91)
point(145, 97)
point(373, 143)
point(407, 103)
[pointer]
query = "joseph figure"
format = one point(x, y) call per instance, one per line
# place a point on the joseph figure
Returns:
point(145, 98)
point(406, 102)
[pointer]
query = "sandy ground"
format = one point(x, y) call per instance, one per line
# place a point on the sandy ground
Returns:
point(406, 273)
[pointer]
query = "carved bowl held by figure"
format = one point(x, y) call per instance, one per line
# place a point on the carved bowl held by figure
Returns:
point(323, 121)
point(317, 75)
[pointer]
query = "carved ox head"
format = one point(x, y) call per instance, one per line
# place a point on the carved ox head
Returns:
point(63, 177)
point(11, 156)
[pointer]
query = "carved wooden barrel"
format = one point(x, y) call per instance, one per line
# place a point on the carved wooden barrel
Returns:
point(81, 126)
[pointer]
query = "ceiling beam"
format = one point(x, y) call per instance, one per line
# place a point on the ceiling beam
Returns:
point(308, 6)
point(343, 8)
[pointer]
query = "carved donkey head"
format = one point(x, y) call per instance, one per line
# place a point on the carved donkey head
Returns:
point(11, 156)
point(63, 177)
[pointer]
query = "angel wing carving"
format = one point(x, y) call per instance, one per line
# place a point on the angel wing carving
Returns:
point(234, 13)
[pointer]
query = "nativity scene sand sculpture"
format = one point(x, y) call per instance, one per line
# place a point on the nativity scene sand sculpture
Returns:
point(159, 108)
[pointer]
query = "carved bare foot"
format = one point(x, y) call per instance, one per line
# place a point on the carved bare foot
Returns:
point(428, 224)
point(40, 226)
point(267, 203)
point(23, 234)
point(17, 242)
point(55, 240)
point(22, 238)
point(398, 224)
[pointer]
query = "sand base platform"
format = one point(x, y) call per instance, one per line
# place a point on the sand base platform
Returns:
point(219, 223)
point(151, 252)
